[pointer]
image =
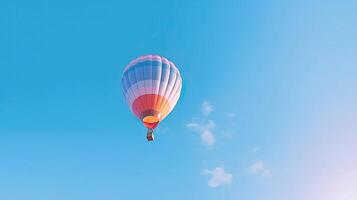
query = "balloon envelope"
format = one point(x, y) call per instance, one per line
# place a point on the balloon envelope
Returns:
point(152, 86)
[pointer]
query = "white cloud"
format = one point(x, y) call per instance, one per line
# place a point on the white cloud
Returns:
point(205, 131)
point(207, 138)
point(258, 167)
point(206, 108)
point(219, 177)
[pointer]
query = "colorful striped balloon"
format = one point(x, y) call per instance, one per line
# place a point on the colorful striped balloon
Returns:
point(152, 86)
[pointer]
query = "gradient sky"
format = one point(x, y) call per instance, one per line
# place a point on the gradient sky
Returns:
point(273, 84)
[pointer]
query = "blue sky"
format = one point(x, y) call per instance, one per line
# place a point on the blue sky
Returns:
point(272, 83)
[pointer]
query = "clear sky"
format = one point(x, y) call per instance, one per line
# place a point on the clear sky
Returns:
point(268, 109)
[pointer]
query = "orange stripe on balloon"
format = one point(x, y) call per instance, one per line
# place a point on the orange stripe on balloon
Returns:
point(146, 102)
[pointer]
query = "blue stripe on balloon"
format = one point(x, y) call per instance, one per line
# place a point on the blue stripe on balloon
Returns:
point(148, 70)
point(153, 65)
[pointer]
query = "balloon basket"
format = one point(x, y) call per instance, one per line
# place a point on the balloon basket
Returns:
point(150, 135)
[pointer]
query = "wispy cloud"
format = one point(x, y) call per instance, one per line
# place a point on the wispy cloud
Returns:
point(255, 149)
point(206, 108)
point(231, 115)
point(219, 177)
point(205, 131)
point(258, 167)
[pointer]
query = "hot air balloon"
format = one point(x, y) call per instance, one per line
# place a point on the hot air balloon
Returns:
point(151, 86)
